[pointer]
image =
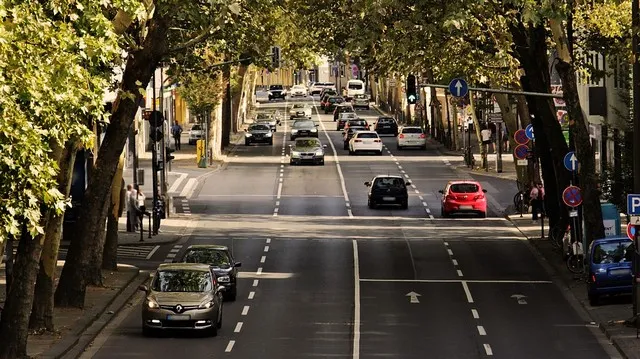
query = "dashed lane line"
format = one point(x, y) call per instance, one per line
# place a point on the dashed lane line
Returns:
point(487, 349)
point(467, 292)
point(229, 347)
point(475, 314)
point(255, 283)
point(238, 327)
point(245, 310)
point(252, 294)
point(481, 330)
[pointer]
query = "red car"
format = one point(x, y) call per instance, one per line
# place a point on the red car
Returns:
point(464, 197)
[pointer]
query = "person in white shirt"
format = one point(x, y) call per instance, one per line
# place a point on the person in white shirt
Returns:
point(486, 138)
point(132, 209)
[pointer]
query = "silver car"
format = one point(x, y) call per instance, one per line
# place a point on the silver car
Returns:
point(360, 101)
point(184, 296)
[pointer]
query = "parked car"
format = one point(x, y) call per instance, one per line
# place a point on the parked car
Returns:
point(307, 150)
point(463, 197)
point(258, 133)
point(365, 141)
point(411, 136)
point(610, 267)
point(276, 92)
point(195, 133)
point(386, 125)
point(387, 190)
point(360, 101)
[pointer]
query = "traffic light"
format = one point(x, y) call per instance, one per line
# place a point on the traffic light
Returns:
point(168, 153)
point(156, 122)
point(275, 57)
point(412, 94)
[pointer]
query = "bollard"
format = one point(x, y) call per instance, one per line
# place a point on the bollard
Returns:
point(149, 214)
point(141, 228)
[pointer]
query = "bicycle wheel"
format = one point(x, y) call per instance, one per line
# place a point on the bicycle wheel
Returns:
point(517, 199)
point(556, 236)
point(574, 264)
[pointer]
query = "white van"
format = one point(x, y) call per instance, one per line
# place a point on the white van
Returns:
point(354, 87)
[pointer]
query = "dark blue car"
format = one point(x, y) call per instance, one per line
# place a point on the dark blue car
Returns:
point(610, 270)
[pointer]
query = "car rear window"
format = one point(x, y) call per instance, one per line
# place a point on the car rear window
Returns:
point(613, 252)
point(213, 257)
point(355, 86)
point(411, 130)
point(388, 182)
point(464, 188)
point(304, 124)
point(367, 135)
point(357, 123)
point(308, 143)
point(259, 128)
point(385, 120)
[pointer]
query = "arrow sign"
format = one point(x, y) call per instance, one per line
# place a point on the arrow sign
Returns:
point(520, 298)
point(571, 161)
point(458, 87)
point(529, 132)
point(413, 297)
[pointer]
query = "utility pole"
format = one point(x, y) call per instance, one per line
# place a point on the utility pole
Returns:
point(635, 16)
point(154, 165)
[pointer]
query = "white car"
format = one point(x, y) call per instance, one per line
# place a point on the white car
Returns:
point(365, 141)
point(354, 87)
point(318, 86)
point(300, 110)
point(411, 136)
point(195, 133)
point(298, 90)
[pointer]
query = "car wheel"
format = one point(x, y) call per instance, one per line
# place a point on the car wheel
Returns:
point(292, 138)
point(322, 163)
point(445, 214)
point(379, 153)
point(594, 300)
point(352, 152)
point(371, 204)
point(368, 107)
point(424, 147)
point(247, 143)
point(399, 148)
point(213, 331)
point(231, 295)
point(346, 145)
point(219, 323)
point(291, 163)
point(271, 142)
point(482, 215)
point(405, 204)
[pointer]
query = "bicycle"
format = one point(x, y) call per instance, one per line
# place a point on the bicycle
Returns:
point(558, 236)
point(521, 201)
point(469, 159)
point(575, 258)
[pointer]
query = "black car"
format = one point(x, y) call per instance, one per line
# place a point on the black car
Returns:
point(303, 128)
point(307, 150)
point(384, 190)
point(276, 91)
point(332, 103)
point(258, 133)
point(340, 109)
point(348, 134)
point(386, 125)
point(343, 118)
point(221, 262)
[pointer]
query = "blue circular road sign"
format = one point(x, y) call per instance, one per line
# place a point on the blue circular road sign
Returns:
point(458, 87)
point(521, 152)
point(529, 131)
point(572, 196)
point(571, 161)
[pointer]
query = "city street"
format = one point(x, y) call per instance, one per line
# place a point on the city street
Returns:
point(324, 276)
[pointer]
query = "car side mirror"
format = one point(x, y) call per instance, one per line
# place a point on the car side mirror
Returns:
point(143, 288)
point(441, 191)
point(289, 146)
point(238, 264)
point(407, 183)
point(484, 190)
point(368, 184)
point(324, 146)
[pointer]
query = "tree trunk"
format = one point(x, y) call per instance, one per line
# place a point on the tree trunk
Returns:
point(110, 249)
point(591, 209)
point(139, 68)
point(476, 126)
point(509, 113)
point(42, 313)
point(237, 98)
point(226, 107)
point(17, 307)
point(530, 49)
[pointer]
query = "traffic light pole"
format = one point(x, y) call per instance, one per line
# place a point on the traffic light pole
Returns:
point(154, 166)
point(635, 21)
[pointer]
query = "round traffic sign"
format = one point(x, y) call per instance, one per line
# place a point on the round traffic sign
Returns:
point(572, 196)
point(529, 132)
point(521, 152)
point(521, 137)
point(631, 231)
point(571, 161)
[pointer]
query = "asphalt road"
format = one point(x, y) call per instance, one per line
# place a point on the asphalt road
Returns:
point(324, 276)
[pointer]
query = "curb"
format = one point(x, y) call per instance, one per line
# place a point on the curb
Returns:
point(91, 325)
point(565, 288)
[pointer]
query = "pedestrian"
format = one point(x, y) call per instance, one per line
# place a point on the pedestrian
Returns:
point(141, 207)
point(486, 138)
point(537, 201)
point(132, 209)
point(176, 131)
point(505, 139)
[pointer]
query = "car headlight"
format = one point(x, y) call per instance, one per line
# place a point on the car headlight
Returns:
point(294, 131)
point(248, 135)
point(151, 303)
point(314, 130)
point(268, 134)
point(319, 153)
point(295, 154)
point(224, 279)
point(206, 305)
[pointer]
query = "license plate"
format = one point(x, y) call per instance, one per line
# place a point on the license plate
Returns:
point(178, 317)
point(620, 272)
point(307, 157)
point(368, 142)
point(466, 207)
point(300, 113)
point(388, 198)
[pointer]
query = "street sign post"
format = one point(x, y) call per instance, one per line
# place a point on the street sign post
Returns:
point(529, 132)
point(633, 204)
point(571, 162)
point(458, 87)
point(521, 137)
point(631, 231)
point(572, 196)
point(521, 152)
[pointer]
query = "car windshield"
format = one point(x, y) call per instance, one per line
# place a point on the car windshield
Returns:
point(367, 135)
point(298, 105)
point(182, 281)
point(464, 188)
point(259, 127)
point(304, 124)
point(263, 116)
point(613, 252)
point(275, 87)
point(355, 86)
point(411, 130)
point(390, 182)
point(308, 142)
point(196, 128)
point(214, 257)
point(357, 123)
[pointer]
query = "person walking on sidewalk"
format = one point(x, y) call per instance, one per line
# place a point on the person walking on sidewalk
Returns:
point(132, 209)
point(176, 131)
point(537, 201)
point(140, 205)
point(486, 138)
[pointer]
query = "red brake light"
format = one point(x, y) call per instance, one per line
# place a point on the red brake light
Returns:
point(593, 278)
point(423, 136)
point(478, 196)
point(377, 141)
point(400, 136)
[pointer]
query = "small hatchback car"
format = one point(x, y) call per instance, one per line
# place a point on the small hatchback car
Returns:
point(386, 190)
point(182, 296)
point(464, 197)
point(610, 267)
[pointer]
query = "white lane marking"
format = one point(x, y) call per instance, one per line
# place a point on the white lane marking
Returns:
point(350, 213)
point(424, 204)
point(414, 187)
point(174, 250)
point(252, 294)
point(279, 195)
point(400, 167)
point(259, 271)
point(406, 175)
point(421, 198)
point(266, 248)
point(455, 262)
point(153, 251)
point(475, 314)
point(481, 330)
point(356, 301)
point(238, 327)
point(403, 171)
point(450, 252)
point(168, 261)
point(487, 349)
point(467, 292)
point(268, 240)
point(178, 246)
point(245, 310)
point(428, 210)
point(431, 216)
point(177, 183)
point(277, 203)
point(255, 282)
point(503, 281)
point(171, 255)
point(416, 191)
point(263, 259)
point(188, 189)
point(230, 346)
point(280, 180)
point(459, 272)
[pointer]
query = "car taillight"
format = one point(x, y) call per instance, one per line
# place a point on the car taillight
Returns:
point(400, 136)
point(357, 141)
point(377, 141)
point(478, 196)
point(423, 136)
point(593, 278)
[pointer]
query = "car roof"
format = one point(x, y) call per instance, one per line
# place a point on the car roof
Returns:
point(184, 266)
point(418, 127)
point(208, 246)
point(388, 176)
point(306, 138)
point(611, 239)
point(465, 181)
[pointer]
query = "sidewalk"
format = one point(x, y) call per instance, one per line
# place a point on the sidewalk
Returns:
point(609, 316)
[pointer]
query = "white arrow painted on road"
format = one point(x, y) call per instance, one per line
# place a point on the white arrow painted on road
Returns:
point(413, 297)
point(458, 87)
point(573, 161)
point(520, 298)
